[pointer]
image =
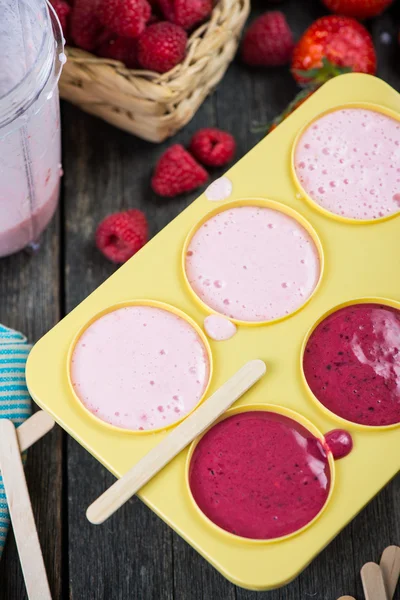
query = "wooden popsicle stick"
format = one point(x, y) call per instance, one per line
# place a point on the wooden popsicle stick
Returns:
point(346, 598)
point(123, 489)
point(22, 519)
point(33, 429)
point(390, 567)
point(373, 584)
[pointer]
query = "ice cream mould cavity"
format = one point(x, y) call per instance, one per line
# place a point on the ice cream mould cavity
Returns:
point(371, 106)
point(348, 425)
point(275, 409)
point(261, 203)
point(140, 303)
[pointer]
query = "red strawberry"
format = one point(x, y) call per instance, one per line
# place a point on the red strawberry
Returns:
point(85, 26)
point(331, 46)
point(120, 235)
point(186, 13)
point(120, 48)
point(268, 41)
point(127, 18)
point(358, 9)
point(162, 46)
point(177, 172)
point(62, 10)
point(213, 147)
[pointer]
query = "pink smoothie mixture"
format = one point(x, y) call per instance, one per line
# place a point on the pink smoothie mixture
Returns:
point(352, 364)
point(219, 328)
point(140, 368)
point(348, 162)
point(252, 264)
point(260, 475)
point(30, 148)
point(21, 224)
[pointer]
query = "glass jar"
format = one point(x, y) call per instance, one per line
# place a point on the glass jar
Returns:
point(31, 59)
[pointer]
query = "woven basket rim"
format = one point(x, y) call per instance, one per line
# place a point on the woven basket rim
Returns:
point(214, 24)
point(151, 105)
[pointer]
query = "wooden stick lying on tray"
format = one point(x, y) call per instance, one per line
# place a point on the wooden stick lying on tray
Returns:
point(184, 433)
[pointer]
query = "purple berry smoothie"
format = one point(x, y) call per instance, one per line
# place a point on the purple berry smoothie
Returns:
point(260, 475)
point(352, 364)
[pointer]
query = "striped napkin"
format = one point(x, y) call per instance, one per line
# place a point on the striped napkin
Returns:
point(15, 402)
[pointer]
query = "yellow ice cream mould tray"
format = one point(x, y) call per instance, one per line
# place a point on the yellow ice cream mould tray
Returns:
point(359, 263)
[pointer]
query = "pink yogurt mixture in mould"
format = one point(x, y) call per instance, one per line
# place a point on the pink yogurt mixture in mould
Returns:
point(260, 475)
point(252, 264)
point(348, 162)
point(140, 368)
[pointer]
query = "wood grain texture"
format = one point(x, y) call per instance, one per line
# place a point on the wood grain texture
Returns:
point(22, 519)
point(390, 567)
point(130, 556)
point(30, 293)
point(33, 429)
point(372, 580)
point(134, 556)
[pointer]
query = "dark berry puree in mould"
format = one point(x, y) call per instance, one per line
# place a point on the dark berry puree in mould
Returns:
point(259, 475)
point(352, 364)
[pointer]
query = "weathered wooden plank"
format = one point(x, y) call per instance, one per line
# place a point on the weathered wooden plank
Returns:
point(29, 302)
point(130, 556)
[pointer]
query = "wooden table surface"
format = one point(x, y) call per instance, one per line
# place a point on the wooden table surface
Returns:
point(135, 555)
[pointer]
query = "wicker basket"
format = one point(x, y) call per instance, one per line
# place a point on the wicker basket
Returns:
point(147, 104)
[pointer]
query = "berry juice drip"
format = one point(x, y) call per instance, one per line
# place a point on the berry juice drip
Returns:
point(352, 364)
point(339, 442)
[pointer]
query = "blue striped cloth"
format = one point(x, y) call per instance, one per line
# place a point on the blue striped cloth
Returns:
point(15, 402)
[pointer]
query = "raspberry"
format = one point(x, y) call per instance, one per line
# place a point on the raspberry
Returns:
point(213, 147)
point(161, 47)
point(268, 41)
point(62, 10)
point(120, 235)
point(177, 172)
point(85, 26)
point(186, 13)
point(120, 48)
point(127, 18)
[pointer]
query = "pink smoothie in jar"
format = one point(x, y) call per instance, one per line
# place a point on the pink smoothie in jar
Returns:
point(253, 264)
point(352, 364)
point(31, 55)
point(348, 162)
point(140, 368)
point(260, 475)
